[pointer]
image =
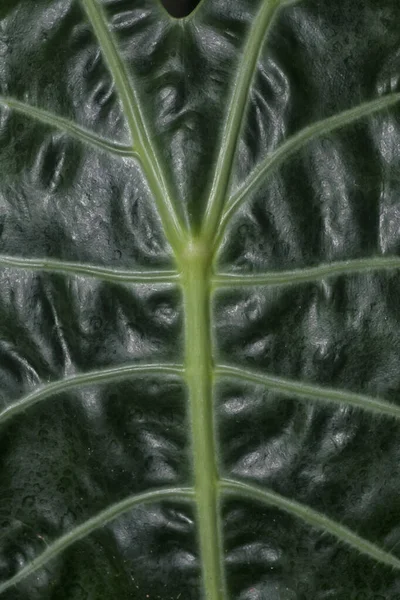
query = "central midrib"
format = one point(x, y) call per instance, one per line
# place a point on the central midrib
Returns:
point(196, 281)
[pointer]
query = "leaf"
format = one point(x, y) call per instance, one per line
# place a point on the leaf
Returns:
point(199, 333)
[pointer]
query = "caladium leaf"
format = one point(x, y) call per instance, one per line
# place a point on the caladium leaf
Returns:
point(199, 332)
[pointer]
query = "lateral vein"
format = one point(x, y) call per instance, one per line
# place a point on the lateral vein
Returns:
point(308, 274)
point(236, 113)
point(97, 272)
point(66, 126)
point(141, 137)
point(312, 517)
point(87, 527)
point(104, 375)
point(312, 392)
point(294, 143)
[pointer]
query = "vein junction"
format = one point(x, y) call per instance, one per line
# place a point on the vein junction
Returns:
point(194, 259)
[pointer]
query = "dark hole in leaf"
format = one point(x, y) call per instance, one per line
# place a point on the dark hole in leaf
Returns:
point(180, 8)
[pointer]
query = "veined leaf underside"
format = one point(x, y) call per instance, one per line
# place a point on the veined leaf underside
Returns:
point(194, 275)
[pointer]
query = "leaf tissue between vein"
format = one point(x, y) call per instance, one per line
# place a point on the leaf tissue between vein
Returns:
point(279, 351)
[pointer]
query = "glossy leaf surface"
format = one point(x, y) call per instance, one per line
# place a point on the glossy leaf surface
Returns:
point(199, 315)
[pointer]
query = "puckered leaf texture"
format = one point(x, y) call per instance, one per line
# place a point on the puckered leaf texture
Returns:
point(199, 300)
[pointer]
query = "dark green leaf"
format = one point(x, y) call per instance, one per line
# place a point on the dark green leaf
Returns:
point(199, 315)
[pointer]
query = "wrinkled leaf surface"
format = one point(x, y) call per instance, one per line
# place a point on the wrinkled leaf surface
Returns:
point(199, 300)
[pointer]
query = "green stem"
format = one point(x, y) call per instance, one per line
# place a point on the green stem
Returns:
point(198, 362)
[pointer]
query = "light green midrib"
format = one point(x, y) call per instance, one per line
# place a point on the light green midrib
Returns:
point(197, 272)
point(198, 370)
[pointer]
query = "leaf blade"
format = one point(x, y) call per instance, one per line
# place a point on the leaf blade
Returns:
point(290, 146)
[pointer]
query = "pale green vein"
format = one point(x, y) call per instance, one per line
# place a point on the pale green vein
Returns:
point(312, 517)
point(180, 494)
point(80, 269)
point(66, 126)
point(308, 274)
point(198, 370)
point(312, 392)
point(104, 375)
point(293, 144)
point(235, 115)
point(141, 137)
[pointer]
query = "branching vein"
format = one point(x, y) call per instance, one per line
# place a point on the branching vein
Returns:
point(293, 144)
point(86, 528)
point(141, 137)
point(80, 269)
point(235, 114)
point(198, 370)
point(84, 379)
point(312, 517)
point(312, 392)
point(308, 274)
point(66, 126)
